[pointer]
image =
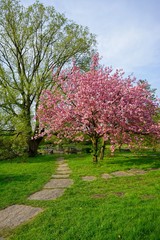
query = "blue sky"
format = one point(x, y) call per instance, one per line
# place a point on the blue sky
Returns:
point(127, 32)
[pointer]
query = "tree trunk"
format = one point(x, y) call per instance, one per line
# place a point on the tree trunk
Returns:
point(33, 145)
point(120, 147)
point(102, 149)
point(95, 149)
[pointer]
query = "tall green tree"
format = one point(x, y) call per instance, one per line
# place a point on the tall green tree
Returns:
point(34, 42)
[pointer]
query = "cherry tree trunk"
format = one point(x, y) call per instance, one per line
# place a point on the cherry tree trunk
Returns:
point(95, 149)
point(102, 149)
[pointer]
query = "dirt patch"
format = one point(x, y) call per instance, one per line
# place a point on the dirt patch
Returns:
point(47, 194)
point(89, 178)
point(119, 194)
point(106, 176)
point(99, 196)
point(59, 183)
point(15, 215)
point(147, 196)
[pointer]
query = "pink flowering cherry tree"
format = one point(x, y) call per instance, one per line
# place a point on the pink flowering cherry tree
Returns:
point(99, 103)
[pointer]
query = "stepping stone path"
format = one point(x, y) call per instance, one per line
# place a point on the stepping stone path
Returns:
point(47, 194)
point(121, 173)
point(61, 176)
point(106, 176)
point(57, 185)
point(136, 171)
point(131, 172)
point(15, 215)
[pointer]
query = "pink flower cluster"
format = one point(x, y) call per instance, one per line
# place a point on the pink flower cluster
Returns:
point(100, 102)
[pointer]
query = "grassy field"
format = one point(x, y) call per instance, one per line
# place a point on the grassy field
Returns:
point(125, 208)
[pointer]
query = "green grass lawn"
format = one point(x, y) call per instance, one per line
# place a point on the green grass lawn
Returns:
point(125, 208)
point(21, 176)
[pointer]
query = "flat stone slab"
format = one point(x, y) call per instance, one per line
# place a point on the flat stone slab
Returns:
point(62, 165)
point(136, 171)
point(59, 163)
point(61, 168)
point(122, 173)
point(106, 176)
point(60, 176)
point(59, 183)
point(60, 159)
point(89, 178)
point(15, 215)
point(63, 172)
point(47, 194)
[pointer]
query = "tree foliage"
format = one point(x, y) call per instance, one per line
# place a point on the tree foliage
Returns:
point(34, 41)
point(98, 103)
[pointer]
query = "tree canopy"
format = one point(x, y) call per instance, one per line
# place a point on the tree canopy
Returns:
point(34, 41)
point(98, 103)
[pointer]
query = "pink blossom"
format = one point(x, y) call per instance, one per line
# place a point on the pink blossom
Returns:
point(99, 102)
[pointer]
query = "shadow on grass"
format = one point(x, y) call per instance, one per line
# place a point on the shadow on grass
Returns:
point(130, 159)
point(36, 159)
point(8, 178)
point(42, 158)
